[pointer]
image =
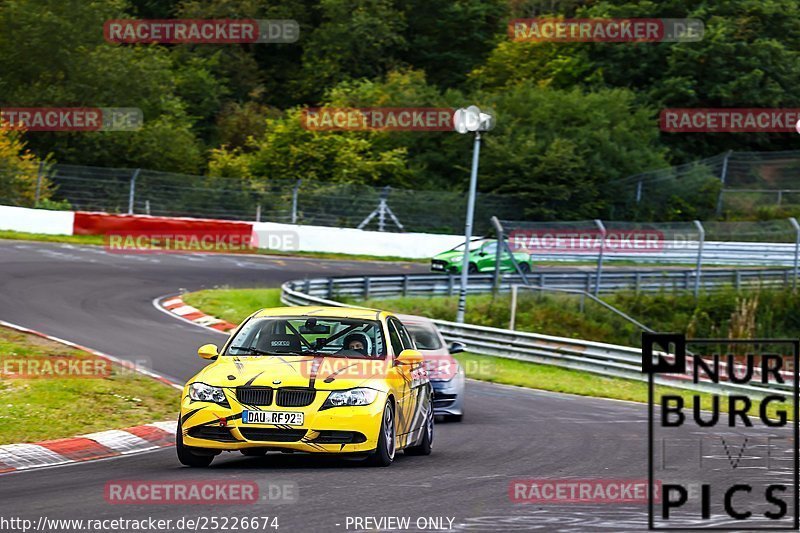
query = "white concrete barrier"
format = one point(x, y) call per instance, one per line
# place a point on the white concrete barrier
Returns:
point(352, 241)
point(36, 220)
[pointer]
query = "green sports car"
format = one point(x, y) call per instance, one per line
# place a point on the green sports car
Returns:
point(482, 259)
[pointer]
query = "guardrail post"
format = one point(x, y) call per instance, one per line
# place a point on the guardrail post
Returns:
point(702, 239)
point(603, 234)
point(588, 282)
point(366, 288)
point(330, 288)
point(638, 283)
point(738, 282)
point(132, 192)
point(450, 285)
point(405, 285)
point(295, 190)
point(796, 227)
point(307, 286)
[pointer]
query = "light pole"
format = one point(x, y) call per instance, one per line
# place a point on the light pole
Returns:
point(466, 120)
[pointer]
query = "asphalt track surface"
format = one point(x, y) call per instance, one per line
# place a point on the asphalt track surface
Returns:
point(104, 301)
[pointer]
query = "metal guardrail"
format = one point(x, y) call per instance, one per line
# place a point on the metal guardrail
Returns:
point(594, 357)
point(365, 287)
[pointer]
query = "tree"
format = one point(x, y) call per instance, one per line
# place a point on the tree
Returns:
point(19, 170)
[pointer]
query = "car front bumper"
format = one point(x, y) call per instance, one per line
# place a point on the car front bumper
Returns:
point(337, 430)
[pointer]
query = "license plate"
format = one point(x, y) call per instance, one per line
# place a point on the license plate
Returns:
point(288, 418)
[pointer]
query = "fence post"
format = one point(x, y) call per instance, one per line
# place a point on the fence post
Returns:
point(513, 318)
point(132, 193)
point(639, 191)
point(603, 233)
point(498, 228)
point(258, 213)
point(722, 178)
point(39, 176)
point(294, 200)
point(702, 236)
point(147, 207)
point(796, 227)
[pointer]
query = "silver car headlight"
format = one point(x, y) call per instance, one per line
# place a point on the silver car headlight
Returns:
point(351, 397)
point(206, 393)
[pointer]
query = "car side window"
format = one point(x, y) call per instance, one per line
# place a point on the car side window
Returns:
point(490, 249)
point(394, 338)
point(405, 338)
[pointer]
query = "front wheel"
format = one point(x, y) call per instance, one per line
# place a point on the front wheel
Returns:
point(384, 453)
point(473, 268)
point(185, 455)
point(426, 444)
point(525, 268)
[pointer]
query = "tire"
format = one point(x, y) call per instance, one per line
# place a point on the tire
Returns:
point(185, 455)
point(387, 439)
point(426, 445)
point(473, 268)
point(453, 418)
point(525, 268)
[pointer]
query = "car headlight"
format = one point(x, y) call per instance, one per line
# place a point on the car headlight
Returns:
point(206, 393)
point(344, 398)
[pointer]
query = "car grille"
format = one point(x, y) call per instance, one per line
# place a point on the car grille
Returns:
point(439, 265)
point(339, 437)
point(295, 397)
point(444, 400)
point(254, 395)
point(217, 433)
point(273, 434)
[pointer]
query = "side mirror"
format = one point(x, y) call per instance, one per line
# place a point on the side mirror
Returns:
point(409, 357)
point(208, 351)
point(457, 347)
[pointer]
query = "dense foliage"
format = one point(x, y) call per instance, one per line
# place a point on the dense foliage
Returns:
point(571, 117)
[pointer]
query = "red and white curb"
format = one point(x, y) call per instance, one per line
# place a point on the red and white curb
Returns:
point(176, 306)
point(101, 445)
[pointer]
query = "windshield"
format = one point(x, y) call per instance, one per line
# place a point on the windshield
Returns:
point(473, 246)
point(425, 337)
point(341, 337)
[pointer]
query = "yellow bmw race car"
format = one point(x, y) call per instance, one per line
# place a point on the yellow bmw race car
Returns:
point(309, 379)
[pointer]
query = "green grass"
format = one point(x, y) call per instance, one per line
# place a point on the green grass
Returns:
point(233, 305)
point(51, 408)
point(556, 379)
point(41, 237)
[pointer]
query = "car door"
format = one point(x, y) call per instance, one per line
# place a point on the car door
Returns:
point(415, 391)
point(486, 257)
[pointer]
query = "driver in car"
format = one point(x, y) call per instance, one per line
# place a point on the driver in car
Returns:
point(357, 342)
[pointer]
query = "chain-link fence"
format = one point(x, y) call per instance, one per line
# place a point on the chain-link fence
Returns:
point(703, 245)
point(140, 191)
point(739, 184)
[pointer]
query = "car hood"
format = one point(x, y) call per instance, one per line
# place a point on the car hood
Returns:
point(448, 256)
point(322, 373)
